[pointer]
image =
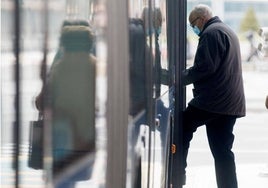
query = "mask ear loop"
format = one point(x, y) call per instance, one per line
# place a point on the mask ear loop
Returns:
point(196, 30)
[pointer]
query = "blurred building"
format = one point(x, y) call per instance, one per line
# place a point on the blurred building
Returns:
point(233, 11)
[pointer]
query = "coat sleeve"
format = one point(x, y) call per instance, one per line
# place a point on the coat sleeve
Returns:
point(207, 59)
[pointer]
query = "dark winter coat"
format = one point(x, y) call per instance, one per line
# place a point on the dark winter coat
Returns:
point(216, 73)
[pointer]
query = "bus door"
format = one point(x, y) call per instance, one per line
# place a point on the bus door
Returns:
point(149, 94)
point(177, 57)
point(141, 103)
point(163, 98)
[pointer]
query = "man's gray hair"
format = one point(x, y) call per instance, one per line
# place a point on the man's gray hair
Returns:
point(203, 10)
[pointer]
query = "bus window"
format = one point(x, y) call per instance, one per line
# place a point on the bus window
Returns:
point(149, 93)
point(22, 31)
point(72, 108)
point(8, 94)
point(57, 44)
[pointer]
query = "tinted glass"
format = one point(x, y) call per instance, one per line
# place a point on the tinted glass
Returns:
point(59, 45)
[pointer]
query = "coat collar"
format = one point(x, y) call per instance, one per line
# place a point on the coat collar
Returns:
point(212, 20)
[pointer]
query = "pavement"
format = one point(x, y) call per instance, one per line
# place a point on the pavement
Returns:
point(251, 151)
point(251, 140)
point(250, 147)
point(248, 176)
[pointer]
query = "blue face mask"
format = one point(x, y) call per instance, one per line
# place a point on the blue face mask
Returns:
point(196, 30)
point(158, 31)
point(149, 31)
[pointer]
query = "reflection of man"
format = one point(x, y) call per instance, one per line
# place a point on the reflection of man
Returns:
point(218, 92)
point(157, 22)
point(138, 49)
point(153, 26)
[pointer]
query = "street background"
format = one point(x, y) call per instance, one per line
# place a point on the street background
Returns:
point(251, 138)
point(251, 132)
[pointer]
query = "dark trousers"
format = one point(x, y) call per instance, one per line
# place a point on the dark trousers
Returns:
point(220, 137)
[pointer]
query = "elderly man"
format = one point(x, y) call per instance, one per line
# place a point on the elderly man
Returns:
point(218, 94)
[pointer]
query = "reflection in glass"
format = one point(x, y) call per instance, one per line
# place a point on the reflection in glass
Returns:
point(71, 96)
point(137, 46)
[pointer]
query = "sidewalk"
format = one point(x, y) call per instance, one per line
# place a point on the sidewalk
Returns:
point(250, 147)
point(248, 175)
point(251, 150)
